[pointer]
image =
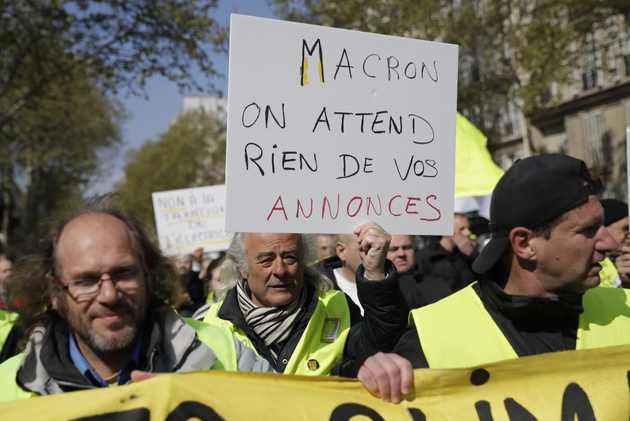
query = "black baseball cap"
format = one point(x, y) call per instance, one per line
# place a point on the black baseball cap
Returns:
point(614, 210)
point(533, 191)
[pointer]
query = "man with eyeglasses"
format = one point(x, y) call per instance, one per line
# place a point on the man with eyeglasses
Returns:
point(97, 312)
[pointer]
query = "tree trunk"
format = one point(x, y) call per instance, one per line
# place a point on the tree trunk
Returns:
point(7, 199)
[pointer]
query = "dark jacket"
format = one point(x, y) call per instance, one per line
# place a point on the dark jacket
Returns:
point(453, 268)
point(532, 325)
point(195, 287)
point(377, 331)
point(416, 290)
point(420, 289)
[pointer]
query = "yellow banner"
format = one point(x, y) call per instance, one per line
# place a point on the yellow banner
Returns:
point(578, 385)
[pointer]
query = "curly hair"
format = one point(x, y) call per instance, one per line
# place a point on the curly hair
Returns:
point(32, 290)
point(235, 262)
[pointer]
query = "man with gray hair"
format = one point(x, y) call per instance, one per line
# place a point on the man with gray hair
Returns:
point(290, 314)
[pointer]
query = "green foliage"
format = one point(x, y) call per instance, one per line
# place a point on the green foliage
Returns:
point(58, 61)
point(123, 42)
point(191, 153)
point(56, 148)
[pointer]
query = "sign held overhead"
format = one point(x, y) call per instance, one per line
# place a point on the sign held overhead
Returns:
point(330, 128)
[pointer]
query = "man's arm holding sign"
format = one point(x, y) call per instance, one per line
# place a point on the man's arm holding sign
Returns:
point(378, 291)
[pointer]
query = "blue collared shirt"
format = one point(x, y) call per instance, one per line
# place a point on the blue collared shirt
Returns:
point(124, 375)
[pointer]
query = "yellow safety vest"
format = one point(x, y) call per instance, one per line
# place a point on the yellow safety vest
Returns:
point(608, 273)
point(458, 332)
point(7, 319)
point(219, 338)
point(322, 344)
point(9, 390)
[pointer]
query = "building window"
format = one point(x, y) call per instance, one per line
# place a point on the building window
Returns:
point(512, 119)
point(593, 132)
point(590, 77)
point(556, 139)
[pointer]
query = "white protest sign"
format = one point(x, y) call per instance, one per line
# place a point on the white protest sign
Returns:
point(330, 128)
point(187, 219)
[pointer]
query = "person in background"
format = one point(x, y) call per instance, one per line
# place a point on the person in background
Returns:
point(341, 267)
point(6, 269)
point(10, 333)
point(450, 258)
point(324, 242)
point(616, 266)
point(211, 278)
point(417, 288)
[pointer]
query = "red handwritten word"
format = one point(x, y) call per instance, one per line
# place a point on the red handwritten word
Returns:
point(395, 205)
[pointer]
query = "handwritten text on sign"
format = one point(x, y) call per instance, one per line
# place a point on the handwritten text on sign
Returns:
point(329, 128)
point(190, 218)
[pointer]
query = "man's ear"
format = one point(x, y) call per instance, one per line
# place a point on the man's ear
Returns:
point(340, 248)
point(523, 243)
point(243, 274)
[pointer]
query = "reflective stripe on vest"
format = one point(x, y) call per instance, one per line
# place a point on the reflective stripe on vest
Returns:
point(458, 332)
point(312, 355)
point(6, 324)
point(220, 340)
point(9, 389)
point(608, 274)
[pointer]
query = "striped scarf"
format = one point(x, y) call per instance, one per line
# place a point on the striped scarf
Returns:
point(272, 324)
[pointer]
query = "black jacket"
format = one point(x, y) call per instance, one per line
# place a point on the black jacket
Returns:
point(453, 268)
point(377, 331)
point(416, 290)
point(420, 289)
point(532, 325)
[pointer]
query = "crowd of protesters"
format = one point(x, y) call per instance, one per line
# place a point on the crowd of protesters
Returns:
point(100, 305)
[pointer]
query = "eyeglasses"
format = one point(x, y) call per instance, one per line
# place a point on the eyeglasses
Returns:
point(84, 289)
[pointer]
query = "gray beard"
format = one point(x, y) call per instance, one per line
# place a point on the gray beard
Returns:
point(99, 343)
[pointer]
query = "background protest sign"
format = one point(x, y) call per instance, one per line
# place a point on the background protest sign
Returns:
point(330, 128)
point(190, 218)
point(584, 385)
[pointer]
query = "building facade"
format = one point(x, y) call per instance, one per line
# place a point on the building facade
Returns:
point(591, 119)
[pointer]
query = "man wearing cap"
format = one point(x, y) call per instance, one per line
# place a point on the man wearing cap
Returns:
point(616, 266)
point(538, 272)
